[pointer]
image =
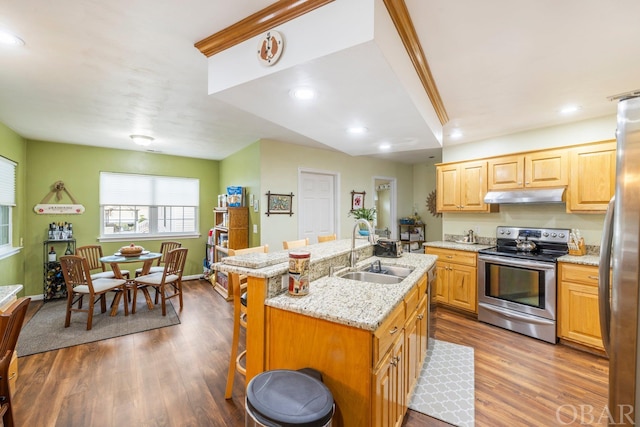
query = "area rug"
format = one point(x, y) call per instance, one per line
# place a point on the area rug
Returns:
point(45, 331)
point(445, 389)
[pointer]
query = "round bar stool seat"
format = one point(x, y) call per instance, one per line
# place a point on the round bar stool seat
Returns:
point(288, 398)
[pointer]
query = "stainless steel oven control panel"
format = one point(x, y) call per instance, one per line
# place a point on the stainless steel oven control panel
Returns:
point(551, 235)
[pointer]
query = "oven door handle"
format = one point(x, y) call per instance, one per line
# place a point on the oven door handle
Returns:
point(519, 263)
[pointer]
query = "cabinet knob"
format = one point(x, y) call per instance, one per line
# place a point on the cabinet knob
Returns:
point(420, 316)
point(449, 256)
point(394, 362)
point(593, 277)
point(393, 331)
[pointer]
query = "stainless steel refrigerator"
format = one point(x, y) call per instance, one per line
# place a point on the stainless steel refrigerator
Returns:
point(620, 249)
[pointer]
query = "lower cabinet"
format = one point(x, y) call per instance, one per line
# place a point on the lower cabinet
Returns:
point(456, 281)
point(389, 398)
point(370, 374)
point(578, 311)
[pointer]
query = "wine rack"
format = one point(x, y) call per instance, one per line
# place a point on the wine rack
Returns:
point(54, 286)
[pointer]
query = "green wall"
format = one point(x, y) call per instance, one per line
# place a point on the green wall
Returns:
point(14, 147)
point(79, 168)
point(243, 169)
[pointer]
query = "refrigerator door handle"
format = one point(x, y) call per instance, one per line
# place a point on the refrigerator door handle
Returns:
point(604, 293)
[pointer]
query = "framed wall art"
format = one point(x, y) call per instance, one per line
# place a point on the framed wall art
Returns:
point(357, 200)
point(279, 203)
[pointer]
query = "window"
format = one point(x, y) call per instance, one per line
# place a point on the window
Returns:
point(7, 202)
point(148, 206)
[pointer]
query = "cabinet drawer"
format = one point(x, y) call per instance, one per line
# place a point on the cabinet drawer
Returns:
point(458, 257)
point(385, 335)
point(411, 301)
point(576, 273)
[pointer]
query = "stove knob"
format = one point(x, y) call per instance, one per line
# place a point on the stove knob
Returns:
point(545, 234)
point(508, 232)
point(501, 231)
point(561, 235)
point(553, 235)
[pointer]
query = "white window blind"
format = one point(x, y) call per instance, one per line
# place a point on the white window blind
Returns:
point(7, 182)
point(136, 190)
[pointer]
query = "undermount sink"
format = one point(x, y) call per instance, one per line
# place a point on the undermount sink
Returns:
point(367, 276)
point(390, 270)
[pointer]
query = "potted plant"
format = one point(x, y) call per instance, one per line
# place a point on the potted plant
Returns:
point(364, 213)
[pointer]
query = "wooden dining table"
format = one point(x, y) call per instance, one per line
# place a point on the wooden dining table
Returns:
point(146, 257)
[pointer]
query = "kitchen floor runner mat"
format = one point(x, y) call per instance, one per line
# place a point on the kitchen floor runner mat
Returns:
point(445, 389)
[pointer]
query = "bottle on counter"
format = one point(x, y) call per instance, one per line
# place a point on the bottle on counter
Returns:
point(68, 250)
point(52, 255)
point(70, 231)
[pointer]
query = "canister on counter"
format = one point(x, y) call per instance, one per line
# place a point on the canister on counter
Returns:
point(299, 272)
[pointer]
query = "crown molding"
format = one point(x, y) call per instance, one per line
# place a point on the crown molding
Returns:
point(264, 20)
point(286, 10)
point(401, 19)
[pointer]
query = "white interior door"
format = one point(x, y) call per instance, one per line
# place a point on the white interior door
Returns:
point(317, 204)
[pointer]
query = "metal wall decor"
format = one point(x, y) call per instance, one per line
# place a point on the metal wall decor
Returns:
point(279, 203)
point(431, 204)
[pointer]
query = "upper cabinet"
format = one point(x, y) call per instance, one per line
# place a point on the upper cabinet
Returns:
point(549, 168)
point(462, 187)
point(593, 177)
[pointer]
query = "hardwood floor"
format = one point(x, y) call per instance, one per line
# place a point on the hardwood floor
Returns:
point(175, 376)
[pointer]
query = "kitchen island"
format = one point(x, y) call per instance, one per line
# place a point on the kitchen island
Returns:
point(367, 339)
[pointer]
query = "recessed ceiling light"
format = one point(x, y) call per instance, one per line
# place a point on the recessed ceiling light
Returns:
point(569, 109)
point(357, 130)
point(143, 140)
point(303, 93)
point(455, 134)
point(10, 39)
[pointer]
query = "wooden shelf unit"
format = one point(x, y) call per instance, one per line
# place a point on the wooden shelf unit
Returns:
point(231, 230)
point(412, 233)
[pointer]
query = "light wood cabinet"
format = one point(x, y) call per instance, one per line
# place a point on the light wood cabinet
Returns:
point(462, 187)
point(389, 401)
point(593, 177)
point(231, 231)
point(540, 169)
point(456, 280)
point(370, 374)
point(578, 314)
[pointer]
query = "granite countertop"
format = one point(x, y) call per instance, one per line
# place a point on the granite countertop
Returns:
point(275, 263)
point(584, 259)
point(362, 305)
point(7, 292)
point(469, 247)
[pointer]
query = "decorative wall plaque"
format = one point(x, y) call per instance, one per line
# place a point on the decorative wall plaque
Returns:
point(45, 208)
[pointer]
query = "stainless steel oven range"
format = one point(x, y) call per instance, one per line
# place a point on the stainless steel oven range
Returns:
point(517, 280)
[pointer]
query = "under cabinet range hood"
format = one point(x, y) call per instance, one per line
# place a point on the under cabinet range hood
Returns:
point(538, 195)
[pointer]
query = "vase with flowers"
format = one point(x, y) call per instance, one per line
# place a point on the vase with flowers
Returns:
point(368, 214)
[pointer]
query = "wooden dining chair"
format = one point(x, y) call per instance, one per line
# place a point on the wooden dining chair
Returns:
point(295, 243)
point(165, 247)
point(10, 325)
point(168, 283)
point(77, 276)
point(326, 238)
point(93, 253)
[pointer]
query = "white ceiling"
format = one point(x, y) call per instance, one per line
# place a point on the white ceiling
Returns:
point(94, 72)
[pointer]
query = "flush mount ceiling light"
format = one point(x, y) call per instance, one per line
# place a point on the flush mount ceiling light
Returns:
point(10, 39)
point(385, 146)
point(303, 93)
point(357, 130)
point(142, 140)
